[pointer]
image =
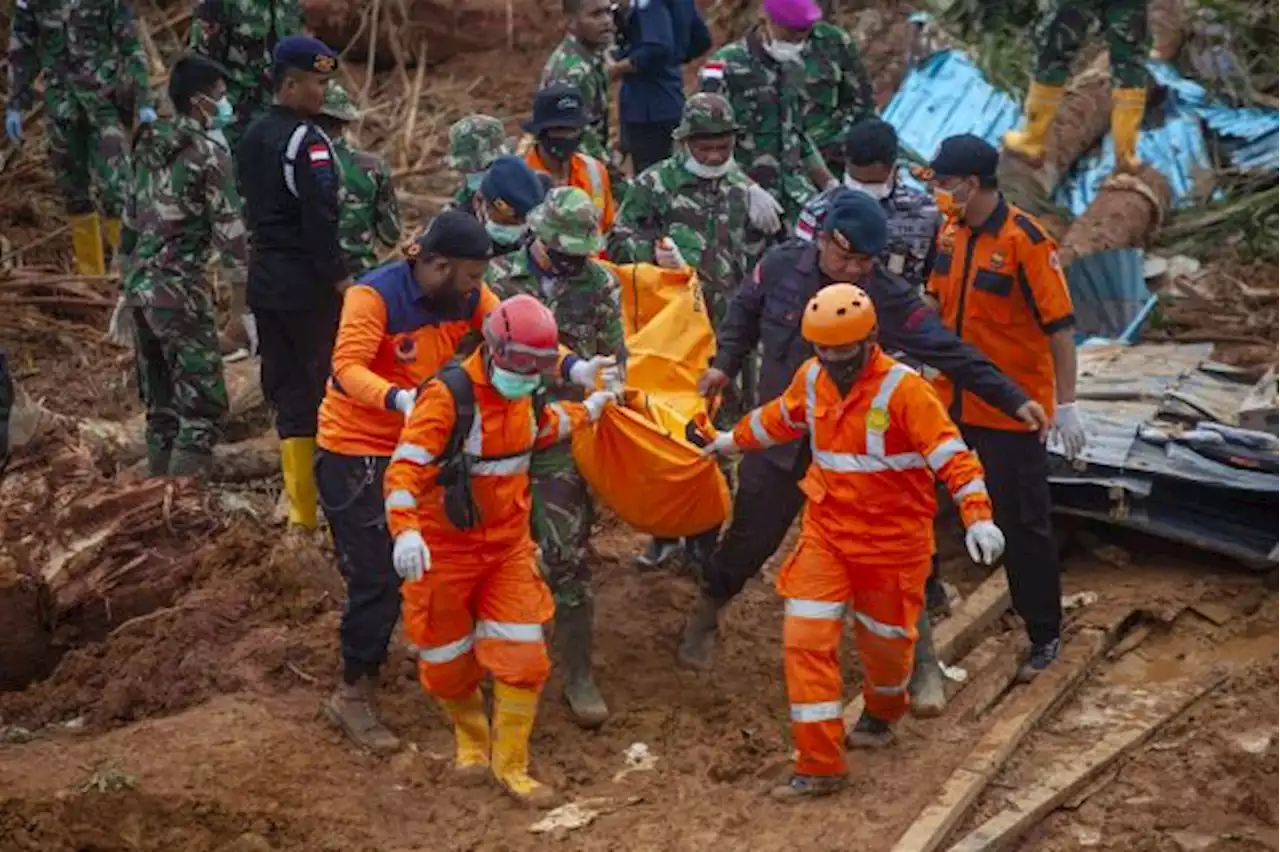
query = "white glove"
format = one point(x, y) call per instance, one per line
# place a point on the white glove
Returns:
point(410, 556)
point(596, 403)
point(667, 255)
point(763, 210)
point(605, 367)
point(403, 401)
point(120, 328)
point(250, 323)
point(1069, 428)
point(723, 445)
point(985, 542)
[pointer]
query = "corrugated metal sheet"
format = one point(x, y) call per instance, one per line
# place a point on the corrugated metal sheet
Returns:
point(1108, 292)
point(947, 95)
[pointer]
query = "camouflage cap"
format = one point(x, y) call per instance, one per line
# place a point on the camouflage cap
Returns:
point(475, 142)
point(338, 104)
point(706, 114)
point(568, 221)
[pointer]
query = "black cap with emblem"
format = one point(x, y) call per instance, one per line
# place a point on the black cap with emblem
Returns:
point(557, 106)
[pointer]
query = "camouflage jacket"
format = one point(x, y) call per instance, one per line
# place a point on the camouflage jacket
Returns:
point(367, 204)
point(913, 227)
point(837, 88)
point(705, 218)
point(574, 64)
point(240, 34)
point(183, 203)
point(85, 47)
point(768, 102)
point(588, 308)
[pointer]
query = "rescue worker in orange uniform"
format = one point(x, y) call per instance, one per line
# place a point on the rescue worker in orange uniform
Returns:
point(458, 505)
point(999, 286)
point(879, 436)
point(559, 117)
point(400, 323)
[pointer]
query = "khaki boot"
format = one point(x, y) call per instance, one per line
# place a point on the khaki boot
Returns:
point(927, 691)
point(471, 735)
point(352, 710)
point(1127, 108)
point(86, 239)
point(699, 640)
point(514, 710)
point(1041, 108)
point(574, 636)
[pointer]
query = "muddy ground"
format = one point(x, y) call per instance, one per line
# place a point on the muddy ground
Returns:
point(196, 726)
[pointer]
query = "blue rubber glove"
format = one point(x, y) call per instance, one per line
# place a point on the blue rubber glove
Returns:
point(146, 115)
point(13, 124)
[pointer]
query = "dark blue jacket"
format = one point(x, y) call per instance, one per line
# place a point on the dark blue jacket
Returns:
point(662, 36)
point(768, 306)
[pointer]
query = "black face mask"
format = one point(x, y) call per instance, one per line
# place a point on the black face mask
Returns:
point(566, 265)
point(562, 149)
point(845, 373)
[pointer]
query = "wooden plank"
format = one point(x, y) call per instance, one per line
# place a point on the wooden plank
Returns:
point(1015, 721)
point(1030, 805)
point(990, 683)
point(958, 634)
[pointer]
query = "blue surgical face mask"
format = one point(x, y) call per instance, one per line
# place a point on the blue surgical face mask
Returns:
point(224, 115)
point(505, 235)
point(513, 385)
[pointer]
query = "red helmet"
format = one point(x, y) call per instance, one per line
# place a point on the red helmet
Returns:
point(522, 336)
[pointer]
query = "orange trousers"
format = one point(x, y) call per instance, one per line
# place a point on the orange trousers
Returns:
point(821, 587)
point(476, 613)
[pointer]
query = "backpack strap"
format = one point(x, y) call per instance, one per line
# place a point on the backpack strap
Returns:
point(464, 406)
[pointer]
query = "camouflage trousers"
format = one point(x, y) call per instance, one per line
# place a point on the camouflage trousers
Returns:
point(563, 513)
point(1061, 33)
point(87, 150)
point(180, 378)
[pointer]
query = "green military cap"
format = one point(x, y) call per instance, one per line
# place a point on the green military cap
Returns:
point(475, 142)
point(568, 221)
point(338, 104)
point(706, 114)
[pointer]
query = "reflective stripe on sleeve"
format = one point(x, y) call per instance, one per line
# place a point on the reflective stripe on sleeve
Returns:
point(412, 453)
point(786, 415)
point(501, 467)
point(400, 499)
point(758, 431)
point(945, 452)
point(973, 486)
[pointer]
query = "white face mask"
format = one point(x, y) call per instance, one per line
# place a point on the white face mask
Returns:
point(878, 191)
point(702, 170)
point(785, 51)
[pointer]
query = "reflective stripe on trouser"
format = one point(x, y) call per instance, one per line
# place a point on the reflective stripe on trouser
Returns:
point(479, 613)
point(883, 604)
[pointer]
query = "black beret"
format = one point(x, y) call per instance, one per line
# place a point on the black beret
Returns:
point(456, 235)
point(305, 53)
point(965, 155)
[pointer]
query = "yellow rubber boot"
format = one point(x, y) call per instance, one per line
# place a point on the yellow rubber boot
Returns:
point(296, 463)
point(86, 239)
point(1041, 108)
point(513, 713)
point(1127, 109)
point(471, 734)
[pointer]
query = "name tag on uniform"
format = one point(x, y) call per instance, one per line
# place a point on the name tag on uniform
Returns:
point(897, 263)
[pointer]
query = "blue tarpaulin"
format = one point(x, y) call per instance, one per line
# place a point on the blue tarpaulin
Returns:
point(947, 94)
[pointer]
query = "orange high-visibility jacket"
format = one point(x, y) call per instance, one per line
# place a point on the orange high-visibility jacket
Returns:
point(390, 338)
point(502, 428)
point(876, 452)
point(587, 174)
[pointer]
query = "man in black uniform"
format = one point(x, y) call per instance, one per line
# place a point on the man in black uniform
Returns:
point(289, 177)
point(767, 309)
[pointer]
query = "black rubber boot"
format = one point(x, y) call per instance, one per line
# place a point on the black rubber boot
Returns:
point(870, 732)
point(574, 636)
point(187, 463)
point(157, 461)
point(699, 639)
point(927, 690)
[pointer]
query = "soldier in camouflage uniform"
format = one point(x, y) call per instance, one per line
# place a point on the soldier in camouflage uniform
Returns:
point(763, 77)
point(366, 199)
point(95, 76)
point(474, 143)
point(240, 35)
point(871, 153)
point(837, 91)
point(1059, 37)
point(183, 203)
point(579, 61)
point(558, 269)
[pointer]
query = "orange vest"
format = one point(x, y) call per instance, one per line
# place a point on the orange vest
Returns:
point(589, 175)
point(876, 452)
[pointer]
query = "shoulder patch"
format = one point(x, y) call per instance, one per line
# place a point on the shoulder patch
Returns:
point(1033, 231)
point(713, 69)
point(318, 154)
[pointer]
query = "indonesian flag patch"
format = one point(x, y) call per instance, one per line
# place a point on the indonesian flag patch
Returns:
point(319, 154)
point(806, 227)
point(712, 70)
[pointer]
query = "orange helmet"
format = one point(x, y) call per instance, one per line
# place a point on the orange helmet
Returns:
point(839, 315)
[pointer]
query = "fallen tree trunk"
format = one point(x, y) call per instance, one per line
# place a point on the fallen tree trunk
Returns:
point(1128, 210)
point(1083, 119)
point(123, 443)
point(243, 461)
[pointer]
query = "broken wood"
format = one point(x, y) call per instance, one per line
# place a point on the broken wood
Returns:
point(959, 633)
point(1018, 717)
point(1125, 214)
point(1083, 119)
point(1142, 718)
point(989, 684)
